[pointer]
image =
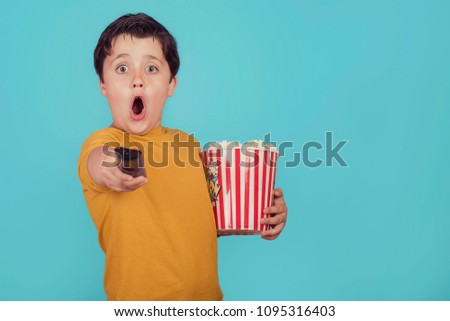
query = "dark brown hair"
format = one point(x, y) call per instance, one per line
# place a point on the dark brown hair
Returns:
point(137, 25)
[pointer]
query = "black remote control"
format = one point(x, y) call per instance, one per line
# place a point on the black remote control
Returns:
point(131, 161)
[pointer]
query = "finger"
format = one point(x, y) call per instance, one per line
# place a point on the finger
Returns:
point(270, 238)
point(116, 188)
point(134, 183)
point(278, 192)
point(272, 233)
point(275, 209)
point(279, 201)
point(121, 182)
point(274, 220)
point(115, 179)
point(278, 197)
point(119, 175)
point(121, 188)
point(114, 176)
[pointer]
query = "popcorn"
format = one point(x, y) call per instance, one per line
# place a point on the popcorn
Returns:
point(256, 144)
point(240, 178)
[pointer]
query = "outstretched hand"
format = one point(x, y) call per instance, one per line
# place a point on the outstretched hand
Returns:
point(110, 175)
point(114, 179)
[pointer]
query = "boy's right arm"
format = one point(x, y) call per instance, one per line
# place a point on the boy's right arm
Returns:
point(111, 176)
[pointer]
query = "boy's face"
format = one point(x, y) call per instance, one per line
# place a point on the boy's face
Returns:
point(136, 82)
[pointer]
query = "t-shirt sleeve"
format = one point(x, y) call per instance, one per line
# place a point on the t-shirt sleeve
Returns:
point(97, 139)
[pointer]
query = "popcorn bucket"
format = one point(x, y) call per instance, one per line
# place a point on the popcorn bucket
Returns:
point(240, 180)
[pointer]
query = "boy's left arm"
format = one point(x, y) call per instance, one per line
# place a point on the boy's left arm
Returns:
point(278, 215)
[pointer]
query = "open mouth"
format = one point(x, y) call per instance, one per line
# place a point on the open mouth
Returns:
point(137, 109)
point(138, 106)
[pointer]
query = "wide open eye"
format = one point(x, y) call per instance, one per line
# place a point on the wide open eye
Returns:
point(122, 69)
point(152, 69)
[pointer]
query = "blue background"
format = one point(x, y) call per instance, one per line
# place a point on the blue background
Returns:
point(375, 73)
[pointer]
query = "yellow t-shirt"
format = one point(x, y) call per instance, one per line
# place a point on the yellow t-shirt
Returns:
point(160, 240)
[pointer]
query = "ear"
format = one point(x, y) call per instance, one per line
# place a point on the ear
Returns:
point(102, 87)
point(172, 86)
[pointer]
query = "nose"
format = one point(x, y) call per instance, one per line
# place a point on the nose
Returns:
point(137, 81)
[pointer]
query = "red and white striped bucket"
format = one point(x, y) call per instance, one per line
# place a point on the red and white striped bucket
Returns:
point(240, 182)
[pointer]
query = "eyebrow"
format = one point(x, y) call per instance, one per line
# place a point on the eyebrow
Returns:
point(122, 55)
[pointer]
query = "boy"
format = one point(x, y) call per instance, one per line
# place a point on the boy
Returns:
point(158, 234)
